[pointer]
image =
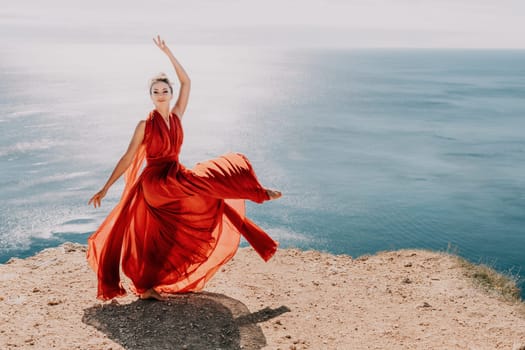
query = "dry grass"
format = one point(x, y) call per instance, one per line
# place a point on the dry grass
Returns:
point(486, 277)
point(504, 285)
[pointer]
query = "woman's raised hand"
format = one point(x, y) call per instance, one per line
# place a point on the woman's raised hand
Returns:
point(161, 44)
point(184, 79)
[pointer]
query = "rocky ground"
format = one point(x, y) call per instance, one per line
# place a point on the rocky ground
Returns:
point(406, 299)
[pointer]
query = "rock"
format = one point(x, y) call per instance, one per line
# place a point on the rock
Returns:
point(54, 302)
point(73, 247)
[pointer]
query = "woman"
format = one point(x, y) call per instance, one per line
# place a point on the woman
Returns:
point(173, 227)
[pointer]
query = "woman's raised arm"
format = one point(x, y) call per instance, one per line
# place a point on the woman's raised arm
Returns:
point(184, 79)
point(122, 164)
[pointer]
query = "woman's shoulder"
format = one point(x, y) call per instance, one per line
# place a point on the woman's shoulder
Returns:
point(151, 114)
point(142, 127)
point(149, 118)
point(141, 124)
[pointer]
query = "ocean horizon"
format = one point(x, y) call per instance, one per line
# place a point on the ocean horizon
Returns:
point(373, 149)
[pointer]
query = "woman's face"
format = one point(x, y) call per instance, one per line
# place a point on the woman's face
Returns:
point(160, 94)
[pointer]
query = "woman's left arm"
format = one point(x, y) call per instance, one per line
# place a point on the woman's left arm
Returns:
point(184, 79)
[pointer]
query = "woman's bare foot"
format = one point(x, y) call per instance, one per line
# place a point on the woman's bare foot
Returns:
point(152, 294)
point(273, 194)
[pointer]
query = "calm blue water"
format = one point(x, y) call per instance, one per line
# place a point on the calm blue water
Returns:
point(373, 149)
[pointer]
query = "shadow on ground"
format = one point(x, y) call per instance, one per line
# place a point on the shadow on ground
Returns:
point(187, 321)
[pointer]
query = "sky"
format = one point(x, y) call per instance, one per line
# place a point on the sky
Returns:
point(291, 23)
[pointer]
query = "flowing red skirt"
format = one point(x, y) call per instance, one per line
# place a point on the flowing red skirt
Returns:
point(175, 227)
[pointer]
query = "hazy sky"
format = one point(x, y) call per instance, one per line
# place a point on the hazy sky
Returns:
point(352, 23)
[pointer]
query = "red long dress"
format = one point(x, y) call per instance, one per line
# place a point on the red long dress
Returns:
point(175, 227)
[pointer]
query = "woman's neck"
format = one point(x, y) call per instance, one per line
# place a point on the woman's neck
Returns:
point(164, 111)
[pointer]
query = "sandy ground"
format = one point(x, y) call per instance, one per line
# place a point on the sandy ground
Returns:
point(299, 300)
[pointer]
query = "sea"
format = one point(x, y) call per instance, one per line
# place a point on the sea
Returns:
point(373, 149)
